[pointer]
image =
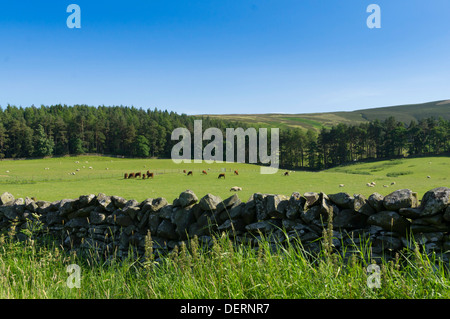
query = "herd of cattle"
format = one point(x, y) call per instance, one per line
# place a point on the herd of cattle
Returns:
point(151, 175)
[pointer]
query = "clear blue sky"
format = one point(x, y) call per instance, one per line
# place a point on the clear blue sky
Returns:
point(225, 56)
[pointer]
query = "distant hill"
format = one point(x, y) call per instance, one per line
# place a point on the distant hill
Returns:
point(404, 113)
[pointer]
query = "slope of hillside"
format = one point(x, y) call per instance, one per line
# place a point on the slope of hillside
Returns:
point(405, 113)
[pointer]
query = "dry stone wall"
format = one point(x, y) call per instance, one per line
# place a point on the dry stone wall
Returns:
point(114, 225)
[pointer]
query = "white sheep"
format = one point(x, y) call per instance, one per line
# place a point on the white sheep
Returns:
point(235, 188)
point(341, 185)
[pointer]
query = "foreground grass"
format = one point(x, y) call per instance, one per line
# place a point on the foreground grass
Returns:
point(225, 271)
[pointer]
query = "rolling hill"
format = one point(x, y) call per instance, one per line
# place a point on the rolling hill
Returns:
point(405, 113)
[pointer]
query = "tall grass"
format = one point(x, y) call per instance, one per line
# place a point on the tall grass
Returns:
point(222, 269)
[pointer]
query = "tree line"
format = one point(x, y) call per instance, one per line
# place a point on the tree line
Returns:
point(377, 139)
point(128, 131)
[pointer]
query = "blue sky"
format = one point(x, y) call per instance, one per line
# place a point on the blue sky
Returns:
point(225, 56)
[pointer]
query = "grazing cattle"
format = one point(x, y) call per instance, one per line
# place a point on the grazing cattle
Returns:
point(137, 175)
point(125, 176)
point(393, 183)
point(144, 176)
point(131, 175)
point(190, 173)
point(286, 174)
point(235, 189)
point(184, 171)
point(204, 173)
point(221, 175)
point(150, 175)
point(236, 173)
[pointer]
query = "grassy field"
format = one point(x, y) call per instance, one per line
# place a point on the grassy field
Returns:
point(31, 178)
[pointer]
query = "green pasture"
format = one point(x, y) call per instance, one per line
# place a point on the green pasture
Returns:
point(51, 179)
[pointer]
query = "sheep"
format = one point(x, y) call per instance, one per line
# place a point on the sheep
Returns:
point(341, 185)
point(393, 183)
point(385, 186)
point(286, 174)
point(90, 167)
point(428, 176)
point(235, 189)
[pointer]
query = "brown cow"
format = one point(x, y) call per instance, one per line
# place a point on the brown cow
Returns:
point(138, 174)
point(236, 173)
point(144, 176)
point(131, 175)
point(125, 176)
point(184, 171)
point(286, 174)
point(150, 175)
point(204, 173)
point(221, 175)
point(190, 173)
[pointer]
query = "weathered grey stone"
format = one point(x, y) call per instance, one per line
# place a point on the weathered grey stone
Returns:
point(435, 201)
point(66, 206)
point(96, 218)
point(228, 203)
point(123, 220)
point(376, 202)
point(390, 221)
point(311, 198)
point(131, 211)
point(158, 203)
point(185, 199)
point(8, 212)
point(118, 202)
point(77, 223)
point(237, 226)
point(30, 205)
point(447, 214)
point(420, 228)
point(153, 222)
point(264, 226)
point(182, 219)
point(402, 198)
point(349, 219)
point(166, 230)
point(6, 198)
point(85, 200)
point(82, 212)
point(209, 202)
point(276, 205)
point(311, 214)
point(295, 206)
point(342, 199)
point(410, 212)
point(359, 203)
point(248, 212)
point(167, 211)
